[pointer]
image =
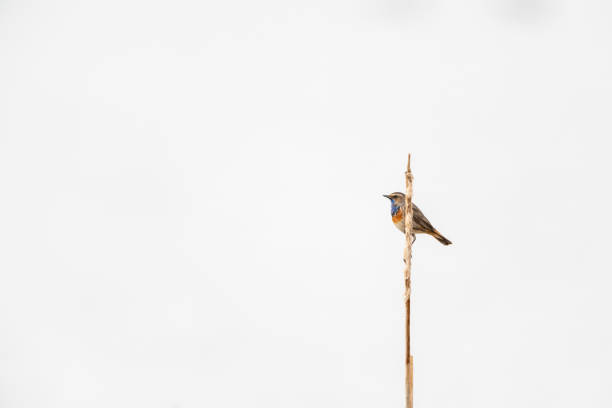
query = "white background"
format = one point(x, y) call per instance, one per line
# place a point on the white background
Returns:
point(191, 210)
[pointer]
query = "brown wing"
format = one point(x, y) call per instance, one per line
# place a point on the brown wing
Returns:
point(420, 223)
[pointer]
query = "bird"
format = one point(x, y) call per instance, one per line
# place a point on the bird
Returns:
point(420, 223)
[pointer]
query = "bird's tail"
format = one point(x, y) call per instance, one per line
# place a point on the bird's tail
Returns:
point(440, 238)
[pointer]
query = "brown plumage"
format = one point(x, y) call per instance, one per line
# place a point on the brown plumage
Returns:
point(420, 223)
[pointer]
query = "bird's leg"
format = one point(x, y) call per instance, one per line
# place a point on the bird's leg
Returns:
point(411, 242)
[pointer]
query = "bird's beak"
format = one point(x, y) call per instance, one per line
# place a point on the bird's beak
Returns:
point(386, 196)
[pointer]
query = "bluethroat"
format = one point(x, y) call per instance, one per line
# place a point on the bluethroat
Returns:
point(420, 223)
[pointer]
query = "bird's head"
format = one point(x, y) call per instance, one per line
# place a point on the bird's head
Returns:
point(396, 198)
point(397, 201)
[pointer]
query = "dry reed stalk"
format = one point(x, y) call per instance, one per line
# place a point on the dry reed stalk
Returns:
point(408, 264)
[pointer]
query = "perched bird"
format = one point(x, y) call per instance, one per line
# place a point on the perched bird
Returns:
point(420, 223)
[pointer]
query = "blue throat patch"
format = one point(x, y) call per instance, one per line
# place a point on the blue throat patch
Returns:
point(394, 208)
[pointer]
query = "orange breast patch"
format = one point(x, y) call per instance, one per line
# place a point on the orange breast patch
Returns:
point(398, 216)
